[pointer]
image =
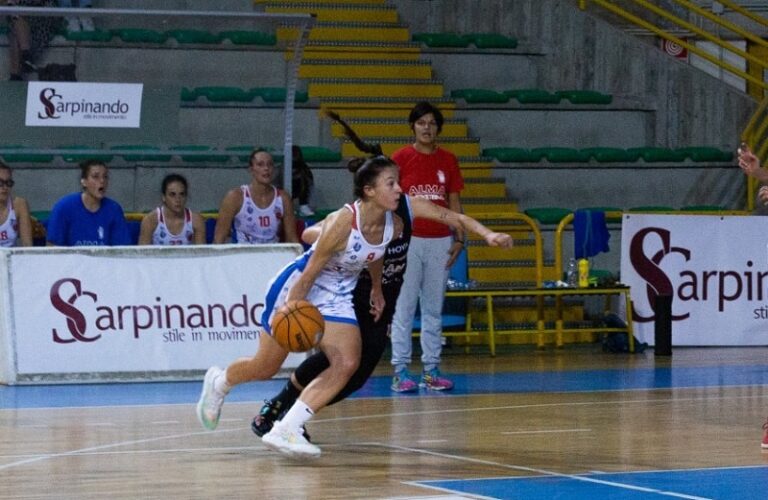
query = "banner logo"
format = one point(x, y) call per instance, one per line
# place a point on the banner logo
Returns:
point(657, 282)
point(76, 323)
point(75, 104)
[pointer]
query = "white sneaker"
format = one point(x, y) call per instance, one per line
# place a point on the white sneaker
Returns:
point(289, 442)
point(73, 24)
point(306, 211)
point(87, 24)
point(211, 400)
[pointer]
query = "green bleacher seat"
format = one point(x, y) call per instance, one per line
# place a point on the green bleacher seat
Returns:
point(193, 36)
point(585, 96)
point(141, 152)
point(319, 154)
point(216, 157)
point(224, 94)
point(533, 96)
point(606, 209)
point(656, 155)
point(652, 208)
point(609, 155)
point(24, 157)
point(561, 155)
point(491, 41)
point(441, 40)
point(548, 215)
point(277, 94)
point(511, 155)
point(242, 37)
point(40, 214)
point(88, 36)
point(78, 157)
point(703, 208)
point(139, 35)
point(188, 95)
point(478, 96)
point(3, 30)
point(706, 154)
point(243, 152)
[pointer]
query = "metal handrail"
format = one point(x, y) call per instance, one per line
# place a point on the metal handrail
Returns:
point(615, 214)
point(744, 12)
point(758, 124)
point(667, 36)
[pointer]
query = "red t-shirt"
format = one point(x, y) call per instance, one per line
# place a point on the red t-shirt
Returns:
point(430, 176)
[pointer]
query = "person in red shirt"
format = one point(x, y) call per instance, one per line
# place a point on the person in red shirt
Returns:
point(431, 172)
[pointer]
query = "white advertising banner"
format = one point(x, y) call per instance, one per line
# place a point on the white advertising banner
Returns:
point(80, 104)
point(166, 309)
point(715, 268)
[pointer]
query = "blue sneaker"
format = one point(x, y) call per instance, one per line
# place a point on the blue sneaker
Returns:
point(432, 379)
point(402, 382)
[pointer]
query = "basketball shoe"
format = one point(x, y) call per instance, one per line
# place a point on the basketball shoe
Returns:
point(402, 382)
point(764, 444)
point(289, 442)
point(269, 413)
point(432, 379)
point(211, 400)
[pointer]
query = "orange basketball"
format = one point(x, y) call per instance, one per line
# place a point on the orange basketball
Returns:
point(297, 326)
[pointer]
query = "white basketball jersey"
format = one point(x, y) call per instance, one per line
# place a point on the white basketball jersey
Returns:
point(9, 230)
point(332, 290)
point(163, 235)
point(254, 225)
point(340, 273)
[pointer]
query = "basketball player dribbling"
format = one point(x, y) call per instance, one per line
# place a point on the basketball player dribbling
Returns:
point(354, 237)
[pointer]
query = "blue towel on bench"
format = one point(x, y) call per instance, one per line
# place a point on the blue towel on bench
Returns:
point(590, 233)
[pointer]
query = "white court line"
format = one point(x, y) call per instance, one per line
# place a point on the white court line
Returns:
point(48, 456)
point(445, 395)
point(533, 470)
point(549, 431)
point(537, 405)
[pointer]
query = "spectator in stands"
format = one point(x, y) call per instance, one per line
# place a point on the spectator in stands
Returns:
point(302, 182)
point(88, 218)
point(260, 211)
point(81, 23)
point(750, 164)
point(172, 223)
point(27, 37)
point(426, 171)
point(15, 221)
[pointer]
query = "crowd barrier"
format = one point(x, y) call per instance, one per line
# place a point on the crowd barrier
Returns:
point(97, 314)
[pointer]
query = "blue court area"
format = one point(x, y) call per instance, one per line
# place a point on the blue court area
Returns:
point(158, 393)
point(739, 483)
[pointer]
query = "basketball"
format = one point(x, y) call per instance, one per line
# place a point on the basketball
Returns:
point(298, 326)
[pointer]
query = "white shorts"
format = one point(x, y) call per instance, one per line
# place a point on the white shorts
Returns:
point(336, 307)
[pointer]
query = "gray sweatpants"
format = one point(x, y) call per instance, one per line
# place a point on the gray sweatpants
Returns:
point(423, 284)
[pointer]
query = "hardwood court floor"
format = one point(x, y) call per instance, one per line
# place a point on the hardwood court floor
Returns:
point(574, 423)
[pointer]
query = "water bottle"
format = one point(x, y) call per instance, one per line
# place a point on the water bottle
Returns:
point(583, 273)
point(571, 274)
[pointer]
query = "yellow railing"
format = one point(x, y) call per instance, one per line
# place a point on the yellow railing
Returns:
point(617, 215)
point(755, 132)
point(661, 32)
